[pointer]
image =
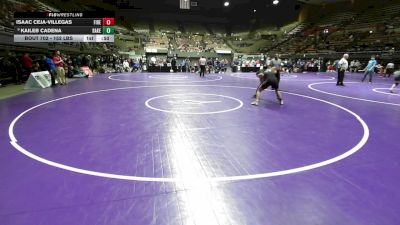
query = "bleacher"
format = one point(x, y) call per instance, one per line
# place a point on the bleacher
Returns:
point(335, 19)
point(166, 27)
point(370, 17)
point(297, 29)
point(8, 7)
point(158, 41)
point(289, 27)
point(190, 43)
point(368, 29)
point(140, 27)
point(127, 42)
point(215, 43)
point(217, 29)
point(195, 28)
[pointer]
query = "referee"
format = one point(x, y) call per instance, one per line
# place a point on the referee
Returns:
point(342, 66)
point(202, 63)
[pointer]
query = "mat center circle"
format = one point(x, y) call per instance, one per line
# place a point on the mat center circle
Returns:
point(194, 103)
point(167, 77)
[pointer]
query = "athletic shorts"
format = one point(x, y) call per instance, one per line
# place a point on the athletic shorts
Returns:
point(267, 83)
point(396, 76)
point(389, 71)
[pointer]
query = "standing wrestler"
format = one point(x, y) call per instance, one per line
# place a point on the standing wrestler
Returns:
point(396, 81)
point(268, 79)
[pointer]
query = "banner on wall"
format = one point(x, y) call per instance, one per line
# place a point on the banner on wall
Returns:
point(223, 51)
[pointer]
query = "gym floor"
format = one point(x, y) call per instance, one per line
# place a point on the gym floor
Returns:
point(152, 148)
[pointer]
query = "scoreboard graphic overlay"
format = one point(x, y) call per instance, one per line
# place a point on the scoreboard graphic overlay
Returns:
point(63, 27)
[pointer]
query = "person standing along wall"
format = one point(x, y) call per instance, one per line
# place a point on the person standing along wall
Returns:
point(51, 67)
point(59, 68)
point(27, 65)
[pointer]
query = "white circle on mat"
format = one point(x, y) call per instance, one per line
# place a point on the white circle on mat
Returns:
point(311, 86)
point(351, 151)
point(284, 76)
point(208, 78)
point(168, 77)
point(195, 103)
point(387, 92)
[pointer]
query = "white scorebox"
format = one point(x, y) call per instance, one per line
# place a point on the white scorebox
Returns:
point(64, 38)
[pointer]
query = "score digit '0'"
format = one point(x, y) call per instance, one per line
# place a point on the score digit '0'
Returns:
point(108, 21)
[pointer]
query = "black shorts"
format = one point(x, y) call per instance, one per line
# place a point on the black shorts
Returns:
point(267, 83)
point(397, 78)
point(278, 75)
point(389, 71)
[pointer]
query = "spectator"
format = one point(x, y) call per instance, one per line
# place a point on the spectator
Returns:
point(59, 68)
point(12, 67)
point(353, 66)
point(51, 67)
point(15, 62)
point(357, 65)
point(78, 60)
point(43, 64)
point(183, 65)
point(173, 64)
point(126, 66)
point(27, 64)
point(153, 61)
point(187, 65)
point(68, 67)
